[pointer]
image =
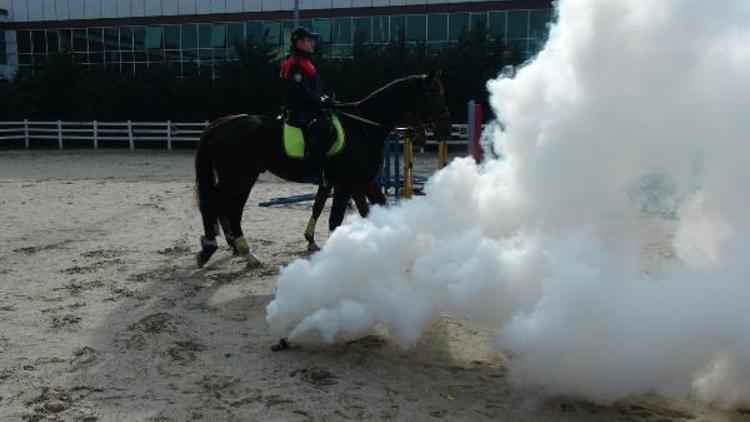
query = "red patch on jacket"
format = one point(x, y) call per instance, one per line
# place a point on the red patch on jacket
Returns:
point(306, 64)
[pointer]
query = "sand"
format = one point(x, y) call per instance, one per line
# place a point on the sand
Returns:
point(105, 316)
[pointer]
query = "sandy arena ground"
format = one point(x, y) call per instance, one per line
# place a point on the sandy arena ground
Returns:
point(105, 316)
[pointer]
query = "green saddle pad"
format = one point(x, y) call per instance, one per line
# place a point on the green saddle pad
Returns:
point(294, 141)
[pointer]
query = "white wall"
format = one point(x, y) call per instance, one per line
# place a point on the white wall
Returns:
point(37, 10)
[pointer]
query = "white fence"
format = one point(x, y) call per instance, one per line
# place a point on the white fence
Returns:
point(128, 133)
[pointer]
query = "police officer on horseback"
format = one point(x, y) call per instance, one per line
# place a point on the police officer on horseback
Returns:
point(306, 105)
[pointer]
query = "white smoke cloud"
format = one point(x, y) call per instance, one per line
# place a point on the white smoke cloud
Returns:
point(610, 245)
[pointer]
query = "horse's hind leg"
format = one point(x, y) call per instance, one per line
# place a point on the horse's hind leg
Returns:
point(210, 229)
point(212, 211)
point(228, 235)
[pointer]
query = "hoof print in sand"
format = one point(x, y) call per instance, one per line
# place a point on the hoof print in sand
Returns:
point(315, 376)
point(184, 351)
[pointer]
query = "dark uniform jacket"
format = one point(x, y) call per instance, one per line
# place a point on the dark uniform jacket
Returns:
point(304, 96)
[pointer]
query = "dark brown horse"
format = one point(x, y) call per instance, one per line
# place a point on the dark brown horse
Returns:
point(234, 150)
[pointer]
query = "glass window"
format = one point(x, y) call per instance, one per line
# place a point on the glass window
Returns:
point(286, 33)
point(65, 43)
point(437, 28)
point(155, 55)
point(97, 57)
point(497, 25)
point(398, 27)
point(342, 30)
point(79, 41)
point(479, 19)
point(323, 27)
point(219, 35)
point(126, 39)
point(111, 39)
point(205, 34)
point(139, 38)
point(254, 31)
point(235, 34)
point(538, 20)
point(189, 36)
point(112, 57)
point(39, 42)
point(53, 44)
point(380, 29)
point(416, 28)
point(172, 37)
point(23, 38)
point(3, 57)
point(154, 37)
point(518, 24)
point(458, 24)
point(95, 39)
point(362, 29)
point(272, 30)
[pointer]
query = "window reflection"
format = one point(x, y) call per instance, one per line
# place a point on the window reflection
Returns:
point(201, 47)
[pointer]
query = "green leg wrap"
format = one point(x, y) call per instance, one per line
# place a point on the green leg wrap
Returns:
point(310, 230)
point(243, 248)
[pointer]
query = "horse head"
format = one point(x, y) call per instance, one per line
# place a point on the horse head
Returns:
point(428, 106)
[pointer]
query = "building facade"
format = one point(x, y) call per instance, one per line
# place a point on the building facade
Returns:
point(198, 35)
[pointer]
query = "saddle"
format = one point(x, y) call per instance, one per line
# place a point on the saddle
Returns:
point(294, 140)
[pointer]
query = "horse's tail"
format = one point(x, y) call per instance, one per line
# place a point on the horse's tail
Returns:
point(204, 169)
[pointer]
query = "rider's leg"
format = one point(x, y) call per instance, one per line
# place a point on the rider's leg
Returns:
point(318, 139)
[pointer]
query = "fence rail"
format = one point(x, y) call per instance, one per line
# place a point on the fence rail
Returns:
point(129, 133)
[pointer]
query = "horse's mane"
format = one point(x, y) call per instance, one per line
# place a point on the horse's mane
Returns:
point(390, 85)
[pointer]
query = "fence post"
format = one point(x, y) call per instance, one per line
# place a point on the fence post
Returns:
point(26, 132)
point(96, 135)
point(59, 134)
point(130, 134)
point(408, 166)
point(169, 135)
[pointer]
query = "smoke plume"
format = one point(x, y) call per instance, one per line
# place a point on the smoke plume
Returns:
point(609, 244)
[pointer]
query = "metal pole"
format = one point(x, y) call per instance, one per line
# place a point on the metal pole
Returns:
point(26, 132)
point(169, 135)
point(296, 13)
point(59, 134)
point(96, 134)
point(408, 166)
point(130, 135)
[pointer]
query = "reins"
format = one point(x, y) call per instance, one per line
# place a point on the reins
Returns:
point(376, 124)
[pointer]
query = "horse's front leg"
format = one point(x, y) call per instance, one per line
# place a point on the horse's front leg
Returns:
point(239, 244)
point(358, 194)
point(320, 201)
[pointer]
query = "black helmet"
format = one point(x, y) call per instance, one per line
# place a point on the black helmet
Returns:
point(302, 32)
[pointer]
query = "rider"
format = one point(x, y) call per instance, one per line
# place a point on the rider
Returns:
point(305, 103)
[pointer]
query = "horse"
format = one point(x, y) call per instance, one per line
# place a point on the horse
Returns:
point(234, 150)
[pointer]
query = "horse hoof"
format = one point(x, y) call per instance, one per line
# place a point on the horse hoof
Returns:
point(252, 260)
point(312, 247)
point(199, 259)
